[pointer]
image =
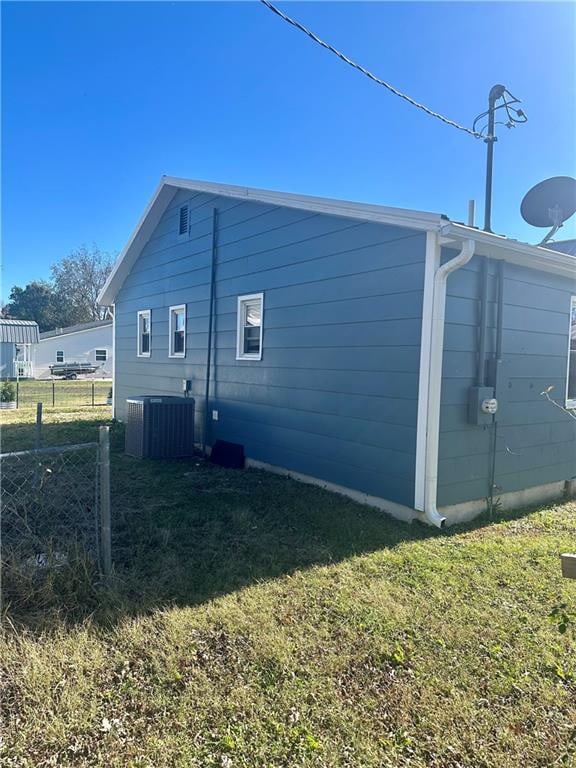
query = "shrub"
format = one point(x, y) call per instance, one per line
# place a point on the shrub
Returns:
point(7, 392)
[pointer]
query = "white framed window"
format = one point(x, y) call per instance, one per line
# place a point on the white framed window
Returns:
point(250, 327)
point(571, 377)
point(101, 355)
point(183, 222)
point(177, 331)
point(144, 333)
point(59, 356)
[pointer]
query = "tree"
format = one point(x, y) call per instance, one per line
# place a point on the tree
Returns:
point(37, 301)
point(78, 279)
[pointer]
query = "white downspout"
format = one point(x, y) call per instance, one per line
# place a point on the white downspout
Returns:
point(435, 381)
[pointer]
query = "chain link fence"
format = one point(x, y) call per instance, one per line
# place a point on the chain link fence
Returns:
point(55, 393)
point(55, 507)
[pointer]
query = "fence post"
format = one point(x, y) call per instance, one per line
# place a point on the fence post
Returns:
point(38, 439)
point(105, 528)
point(17, 394)
point(92, 394)
point(53, 393)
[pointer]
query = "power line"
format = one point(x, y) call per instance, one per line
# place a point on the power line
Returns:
point(520, 117)
point(369, 74)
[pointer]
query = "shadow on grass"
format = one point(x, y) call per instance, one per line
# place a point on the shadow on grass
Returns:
point(185, 532)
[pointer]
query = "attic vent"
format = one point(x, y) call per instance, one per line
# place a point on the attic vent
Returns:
point(183, 220)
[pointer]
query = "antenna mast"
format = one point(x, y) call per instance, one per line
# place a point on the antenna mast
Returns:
point(497, 92)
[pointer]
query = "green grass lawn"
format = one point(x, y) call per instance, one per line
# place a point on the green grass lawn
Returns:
point(62, 393)
point(258, 622)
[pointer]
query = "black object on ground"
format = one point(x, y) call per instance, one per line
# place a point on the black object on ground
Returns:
point(229, 455)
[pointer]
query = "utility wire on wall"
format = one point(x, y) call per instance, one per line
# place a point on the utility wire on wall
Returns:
point(369, 74)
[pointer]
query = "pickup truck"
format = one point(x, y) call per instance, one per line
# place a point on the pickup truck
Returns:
point(72, 370)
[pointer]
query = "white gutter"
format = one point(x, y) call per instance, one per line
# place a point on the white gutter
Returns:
point(435, 380)
point(513, 251)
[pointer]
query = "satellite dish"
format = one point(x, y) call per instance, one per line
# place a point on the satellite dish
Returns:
point(549, 204)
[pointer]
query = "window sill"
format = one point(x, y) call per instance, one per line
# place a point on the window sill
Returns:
point(249, 357)
point(180, 355)
point(143, 354)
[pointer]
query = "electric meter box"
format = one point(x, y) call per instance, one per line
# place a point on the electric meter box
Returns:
point(481, 405)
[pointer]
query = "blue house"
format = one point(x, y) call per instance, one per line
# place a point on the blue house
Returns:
point(393, 355)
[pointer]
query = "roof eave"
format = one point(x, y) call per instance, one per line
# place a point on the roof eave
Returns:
point(350, 209)
point(170, 184)
point(488, 244)
point(146, 225)
point(81, 328)
point(513, 251)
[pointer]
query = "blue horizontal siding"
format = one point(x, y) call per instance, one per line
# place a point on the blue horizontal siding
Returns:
point(536, 442)
point(335, 395)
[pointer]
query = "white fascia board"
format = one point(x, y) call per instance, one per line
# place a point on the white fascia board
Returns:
point(513, 251)
point(401, 217)
point(488, 244)
point(169, 185)
point(148, 222)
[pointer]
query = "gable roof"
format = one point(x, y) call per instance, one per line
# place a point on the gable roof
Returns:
point(75, 328)
point(487, 243)
point(18, 331)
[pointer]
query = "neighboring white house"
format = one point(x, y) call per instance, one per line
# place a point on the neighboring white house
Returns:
point(18, 339)
point(85, 343)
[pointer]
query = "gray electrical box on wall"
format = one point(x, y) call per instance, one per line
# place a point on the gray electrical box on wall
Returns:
point(481, 405)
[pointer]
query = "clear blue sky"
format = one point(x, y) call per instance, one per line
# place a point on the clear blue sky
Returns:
point(100, 99)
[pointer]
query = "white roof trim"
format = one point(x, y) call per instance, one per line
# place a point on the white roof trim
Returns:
point(513, 251)
point(489, 244)
point(169, 185)
point(363, 211)
point(65, 333)
point(148, 222)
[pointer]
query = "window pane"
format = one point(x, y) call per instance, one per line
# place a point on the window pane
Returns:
point(179, 320)
point(59, 357)
point(178, 331)
point(100, 355)
point(143, 334)
point(253, 313)
point(178, 342)
point(572, 377)
point(251, 340)
point(250, 323)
